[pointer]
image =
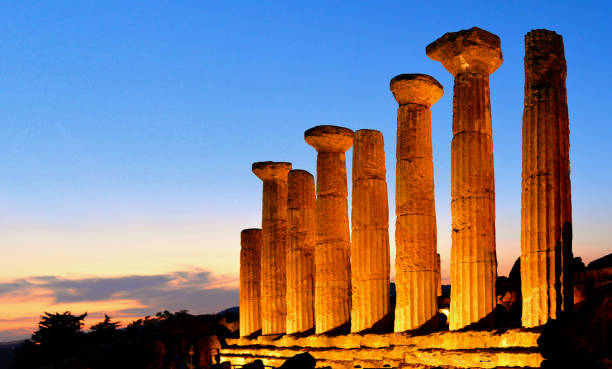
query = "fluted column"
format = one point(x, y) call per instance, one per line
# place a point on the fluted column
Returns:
point(471, 56)
point(415, 208)
point(250, 281)
point(546, 213)
point(438, 276)
point(274, 245)
point(332, 247)
point(300, 251)
point(370, 233)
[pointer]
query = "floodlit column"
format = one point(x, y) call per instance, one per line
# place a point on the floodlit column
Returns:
point(333, 245)
point(546, 213)
point(370, 232)
point(250, 281)
point(471, 56)
point(300, 251)
point(274, 245)
point(415, 226)
point(438, 276)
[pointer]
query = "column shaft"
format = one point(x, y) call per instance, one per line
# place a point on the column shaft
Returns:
point(471, 56)
point(274, 245)
point(300, 252)
point(415, 226)
point(273, 279)
point(370, 233)
point(438, 276)
point(250, 281)
point(546, 222)
point(473, 258)
point(332, 255)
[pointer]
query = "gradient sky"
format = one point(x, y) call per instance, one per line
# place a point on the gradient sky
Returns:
point(129, 128)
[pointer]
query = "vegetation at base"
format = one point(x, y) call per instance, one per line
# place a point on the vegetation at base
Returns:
point(166, 340)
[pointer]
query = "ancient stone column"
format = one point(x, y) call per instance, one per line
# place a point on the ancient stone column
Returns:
point(471, 56)
point(438, 276)
point(250, 281)
point(301, 228)
point(546, 212)
point(333, 246)
point(274, 245)
point(370, 233)
point(415, 208)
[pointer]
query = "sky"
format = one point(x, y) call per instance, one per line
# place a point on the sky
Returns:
point(129, 129)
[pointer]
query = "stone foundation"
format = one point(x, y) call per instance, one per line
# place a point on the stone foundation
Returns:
point(474, 349)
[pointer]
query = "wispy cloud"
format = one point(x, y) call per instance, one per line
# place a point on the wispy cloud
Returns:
point(125, 297)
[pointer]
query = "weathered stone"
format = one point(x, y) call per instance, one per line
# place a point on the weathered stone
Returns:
point(234, 325)
point(208, 348)
point(438, 271)
point(468, 51)
point(274, 245)
point(447, 340)
point(370, 263)
point(546, 214)
point(471, 56)
point(300, 251)
point(474, 359)
point(250, 281)
point(470, 349)
point(332, 248)
point(415, 226)
point(347, 341)
point(419, 89)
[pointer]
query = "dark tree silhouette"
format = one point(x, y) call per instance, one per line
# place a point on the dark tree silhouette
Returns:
point(105, 326)
point(58, 327)
point(160, 341)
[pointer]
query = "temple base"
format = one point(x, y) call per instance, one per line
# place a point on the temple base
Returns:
point(474, 349)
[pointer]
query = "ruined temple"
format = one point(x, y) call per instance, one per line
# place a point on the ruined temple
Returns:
point(314, 281)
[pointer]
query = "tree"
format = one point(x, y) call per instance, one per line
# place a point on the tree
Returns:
point(105, 326)
point(58, 328)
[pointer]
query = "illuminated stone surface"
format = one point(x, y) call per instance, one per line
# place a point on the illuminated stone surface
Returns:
point(438, 276)
point(274, 244)
point(546, 213)
point(475, 349)
point(471, 56)
point(332, 248)
point(250, 281)
point(370, 233)
point(415, 226)
point(300, 251)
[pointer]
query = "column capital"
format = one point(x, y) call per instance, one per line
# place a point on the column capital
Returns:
point(271, 170)
point(543, 41)
point(250, 232)
point(419, 89)
point(467, 51)
point(300, 174)
point(329, 138)
point(544, 57)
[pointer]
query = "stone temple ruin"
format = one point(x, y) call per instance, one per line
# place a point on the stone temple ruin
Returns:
point(312, 282)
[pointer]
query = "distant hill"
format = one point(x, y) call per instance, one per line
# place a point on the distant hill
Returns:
point(229, 311)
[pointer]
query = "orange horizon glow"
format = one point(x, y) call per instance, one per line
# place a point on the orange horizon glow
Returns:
point(21, 310)
point(23, 307)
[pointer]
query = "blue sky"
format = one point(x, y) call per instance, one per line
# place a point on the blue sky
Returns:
point(129, 129)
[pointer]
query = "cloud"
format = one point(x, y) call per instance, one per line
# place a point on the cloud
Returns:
point(124, 297)
point(13, 286)
point(95, 289)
